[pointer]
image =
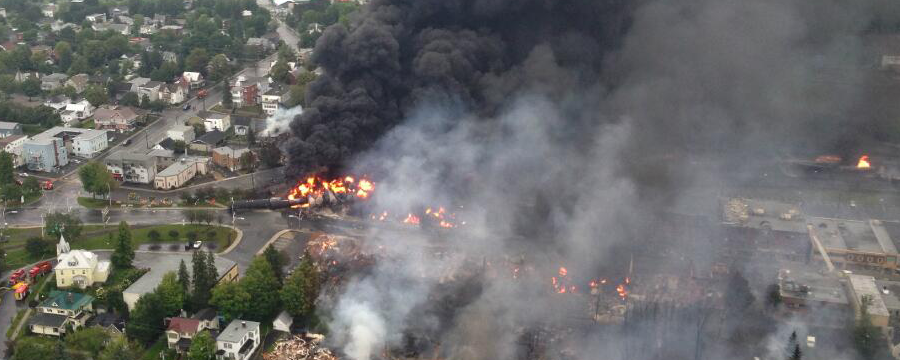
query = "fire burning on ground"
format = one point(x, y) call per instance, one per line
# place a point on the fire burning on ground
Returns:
point(863, 163)
point(562, 283)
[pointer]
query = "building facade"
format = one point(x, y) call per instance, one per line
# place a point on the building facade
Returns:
point(238, 341)
point(89, 143)
point(132, 167)
point(45, 154)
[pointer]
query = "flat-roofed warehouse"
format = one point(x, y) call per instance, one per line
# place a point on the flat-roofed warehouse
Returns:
point(855, 244)
point(769, 228)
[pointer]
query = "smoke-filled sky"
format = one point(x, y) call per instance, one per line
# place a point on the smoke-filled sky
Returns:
point(544, 122)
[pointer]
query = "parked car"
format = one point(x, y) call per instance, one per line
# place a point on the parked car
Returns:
point(186, 107)
point(126, 142)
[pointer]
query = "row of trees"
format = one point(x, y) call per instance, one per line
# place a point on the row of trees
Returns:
point(94, 342)
point(10, 189)
point(96, 179)
point(268, 290)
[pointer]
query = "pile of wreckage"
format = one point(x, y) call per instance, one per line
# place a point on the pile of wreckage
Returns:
point(300, 348)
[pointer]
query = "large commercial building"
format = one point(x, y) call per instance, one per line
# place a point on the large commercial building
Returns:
point(852, 244)
point(79, 142)
point(179, 173)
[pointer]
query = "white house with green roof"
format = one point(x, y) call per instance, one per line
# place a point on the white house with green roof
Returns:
point(59, 309)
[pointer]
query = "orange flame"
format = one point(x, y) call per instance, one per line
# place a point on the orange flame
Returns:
point(411, 219)
point(317, 186)
point(863, 162)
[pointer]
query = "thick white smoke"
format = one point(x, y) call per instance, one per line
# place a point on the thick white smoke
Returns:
point(364, 328)
point(281, 120)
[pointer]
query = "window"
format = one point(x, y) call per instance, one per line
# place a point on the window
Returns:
point(228, 345)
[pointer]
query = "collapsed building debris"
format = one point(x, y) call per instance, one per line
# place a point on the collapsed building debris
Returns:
point(306, 347)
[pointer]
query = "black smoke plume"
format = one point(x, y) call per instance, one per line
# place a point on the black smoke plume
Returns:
point(474, 52)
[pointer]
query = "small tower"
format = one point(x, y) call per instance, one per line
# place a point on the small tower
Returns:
point(62, 247)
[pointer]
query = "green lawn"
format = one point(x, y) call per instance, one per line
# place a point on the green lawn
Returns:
point(97, 237)
point(87, 124)
point(139, 235)
point(14, 323)
point(92, 203)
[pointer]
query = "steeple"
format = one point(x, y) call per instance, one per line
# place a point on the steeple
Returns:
point(62, 247)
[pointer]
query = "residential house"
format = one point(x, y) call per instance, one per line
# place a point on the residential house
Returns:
point(180, 332)
point(260, 44)
point(195, 80)
point(9, 129)
point(38, 49)
point(45, 154)
point(169, 56)
point(119, 11)
point(165, 144)
point(238, 341)
point(208, 141)
point(150, 89)
point(3, 12)
point(283, 322)
point(142, 43)
point(227, 270)
point(100, 80)
point(73, 113)
point(123, 29)
point(136, 84)
point(58, 25)
point(149, 29)
point(96, 18)
point(173, 93)
point(13, 145)
point(53, 81)
point(131, 167)
point(22, 76)
point(78, 268)
point(58, 103)
point(48, 10)
point(60, 309)
point(90, 143)
point(115, 117)
point(181, 133)
point(123, 19)
point(208, 319)
point(242, 125)
point(176, 30)
point(108, 321)
point(78, 82)
point(273, 99)
point(246, 90)
point(216, 121)
point(229, 157)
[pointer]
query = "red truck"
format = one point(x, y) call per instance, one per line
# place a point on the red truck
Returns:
point(41, 268)
point(16, 277)
point(47, 185)
point(201, 94)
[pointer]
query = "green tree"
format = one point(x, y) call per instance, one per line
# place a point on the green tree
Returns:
point(30, 348)
point(277, 260)
point(171, 293)
point(31, 187)
point(96, 178)
point(796, 354)
point(226, 95)
point(58, 223)
point(231, 300)
point(31, 87)
point(146, 321)
point(12, 192)
point(7, 176)
point(270, 155)
point(96, 95)
point(38, 248)
point(153, 235)
point(197, 60)
point(123, 255)
point(201, 283)
point(773, 295)
point(738, 294)
point(218, 68)
point(260, 282)
point(173, 234)
point(301, 289)
point(281, 72)
point(91, 340)
point(63, 53)
point(121, 349)
point(203, 347)
point(184, 278)
point(130, 99)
